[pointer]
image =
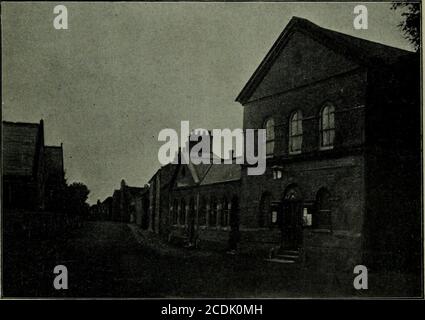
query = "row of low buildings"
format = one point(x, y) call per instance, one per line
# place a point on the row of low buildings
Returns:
point(343, 179)
point(122, 206)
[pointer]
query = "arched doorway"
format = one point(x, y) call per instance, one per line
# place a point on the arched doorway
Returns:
point(291, 218)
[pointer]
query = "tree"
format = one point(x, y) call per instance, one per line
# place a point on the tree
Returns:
point(410, 25)
point(76, 195)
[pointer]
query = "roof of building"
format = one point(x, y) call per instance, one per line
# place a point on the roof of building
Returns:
point(107, 200)
point(135, 190)
point(360, 50)
point(220, 173)
point(20, 141)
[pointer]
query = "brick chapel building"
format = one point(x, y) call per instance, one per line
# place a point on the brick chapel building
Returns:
point(343, 179)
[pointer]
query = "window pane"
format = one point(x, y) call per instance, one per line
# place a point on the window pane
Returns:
point(300, 126)
point(331, 120)
point(298, 143)
point(331, 137)
point(269, 147)
point(274, 216)
point(325, 141)
point(325, 121)
point(293, 128)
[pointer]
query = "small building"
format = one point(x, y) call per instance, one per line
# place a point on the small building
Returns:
point(23, 165)
point(33, 174)
point(124, 203)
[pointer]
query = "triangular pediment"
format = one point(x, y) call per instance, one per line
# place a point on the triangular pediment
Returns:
point(301, 60)
point(305, 53)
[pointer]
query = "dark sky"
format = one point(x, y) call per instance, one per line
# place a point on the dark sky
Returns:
point(123, 71)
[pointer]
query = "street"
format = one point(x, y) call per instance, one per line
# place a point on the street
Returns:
point(108, 259)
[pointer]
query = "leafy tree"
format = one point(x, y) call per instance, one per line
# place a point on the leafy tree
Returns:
point(410, 25)
point(76, 195)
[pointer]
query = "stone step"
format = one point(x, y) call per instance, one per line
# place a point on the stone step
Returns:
point(295, 252)
point(280, 260)
point(288, 256)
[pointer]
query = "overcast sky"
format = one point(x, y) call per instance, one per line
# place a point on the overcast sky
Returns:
point(123, 71)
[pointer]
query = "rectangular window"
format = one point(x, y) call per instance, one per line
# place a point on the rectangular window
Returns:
point(274, 217)
point(307, 218)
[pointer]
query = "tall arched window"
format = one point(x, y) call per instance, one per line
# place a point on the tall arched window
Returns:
point(327, 126)
point(322, 216)
point(175, 211)
point(213, 212)
point(269, 126)
point(182, 217)
point(225, 213)
point(191, 212)
point(296, 132)
point(203, 212)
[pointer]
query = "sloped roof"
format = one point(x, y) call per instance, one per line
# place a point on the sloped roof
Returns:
point(20, 141)
point(134, 190)
point(201, 170)
point(360, 50)
point(219, 173)
point(107, 200)
point(54, 161)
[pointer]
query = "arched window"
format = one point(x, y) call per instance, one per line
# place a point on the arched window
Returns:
point(213, 212)
point(225, 213)
point(182, 212)
point(265, 214)
point(295, 132)
point(175, 212)
point(191, 212)
point(234, 213)
point(327, 126)
point(269, 126)
point(322, 216)
point(203, 212)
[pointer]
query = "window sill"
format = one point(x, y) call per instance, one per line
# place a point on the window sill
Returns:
point(326, 148)
point(294, 153)
point(321, 230)
point(178, 226)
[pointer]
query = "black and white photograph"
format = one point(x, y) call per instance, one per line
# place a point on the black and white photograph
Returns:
point(211, 150)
